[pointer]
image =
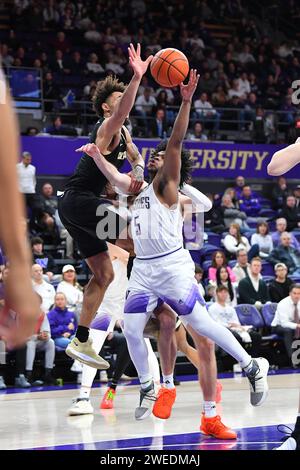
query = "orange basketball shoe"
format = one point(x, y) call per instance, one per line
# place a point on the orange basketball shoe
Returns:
point(164, 402)
point(108, 399)
point(219, 389)
point(214, 427)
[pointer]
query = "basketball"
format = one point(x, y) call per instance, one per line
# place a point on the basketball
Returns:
point(169, 67)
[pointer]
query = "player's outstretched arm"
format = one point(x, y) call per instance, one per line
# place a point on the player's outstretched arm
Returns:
point(121, 180)
point(114, 123)
point(285, 159)
point(172, 160)
point(19, 295)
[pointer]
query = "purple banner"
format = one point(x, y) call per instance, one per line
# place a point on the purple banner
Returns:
point(56, 156)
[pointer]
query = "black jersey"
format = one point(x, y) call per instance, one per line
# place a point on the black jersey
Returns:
point(87, 175)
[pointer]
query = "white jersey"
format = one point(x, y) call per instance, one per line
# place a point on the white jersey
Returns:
point(156, 229)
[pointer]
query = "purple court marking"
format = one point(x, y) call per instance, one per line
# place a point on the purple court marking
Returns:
point(181, 378)
point(257, 438)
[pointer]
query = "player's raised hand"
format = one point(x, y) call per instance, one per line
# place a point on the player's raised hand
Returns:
point(188, 90)
point(90, 149)
point(139, 66)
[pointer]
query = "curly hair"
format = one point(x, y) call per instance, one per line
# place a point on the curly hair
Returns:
point(103, 90)
point(186, 161)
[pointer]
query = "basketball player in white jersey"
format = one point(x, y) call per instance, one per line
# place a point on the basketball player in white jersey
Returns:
point(109, 313)
point(164, 271)
point(285, 159)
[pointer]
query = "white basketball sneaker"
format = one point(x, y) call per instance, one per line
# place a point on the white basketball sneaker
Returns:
point(258, 382)
point(147, 400)
point(81, 406)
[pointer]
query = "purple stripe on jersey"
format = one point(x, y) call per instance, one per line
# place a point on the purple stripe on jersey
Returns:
point(160, 256)
point(136, 303)
point(185, 306)
point(101, 323)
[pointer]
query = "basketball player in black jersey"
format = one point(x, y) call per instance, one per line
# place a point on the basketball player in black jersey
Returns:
point(80, 203)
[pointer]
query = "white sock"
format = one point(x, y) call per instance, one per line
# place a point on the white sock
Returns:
point(209, 408)
point(146, 380)
point(168, 381)
point(84, 392)
point(88, 373)
point(153, 362)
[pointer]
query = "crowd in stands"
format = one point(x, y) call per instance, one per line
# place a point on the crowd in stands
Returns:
point(246, 70)
point(247, 260)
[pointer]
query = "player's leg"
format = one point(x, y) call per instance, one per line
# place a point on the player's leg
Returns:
point(210, 422)
point(81, 346)
point(153, 363)
point(167, 348)
point(185, 347)
point(100, 328)
point(293, 442)
point(255, 369)
point(285, 159)
point(138, 308)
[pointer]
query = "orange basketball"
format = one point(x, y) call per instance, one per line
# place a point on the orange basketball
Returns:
point(169, 67)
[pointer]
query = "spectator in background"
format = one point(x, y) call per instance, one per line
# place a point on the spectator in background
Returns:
point(144, 106)
point(239, 184)
point(59, 65)
point(291, 213)
point(159, 125)
point(49, 199)
point(45, 260)
point(225, 314)
point(45, 290)
point(279, 287)
point(280, 193)
point(223, 279)
point(231, 213)
point(263, 239)
point(71, 289)
point(51, 91)
point(41, 341)
point(206, 112)
point(281, 226)
point(27, 184)
point(296, 192)
point(219, 261)
point(284, 253)
point(286, 321)
point(63, 323)
point(253, 289)
point(197, 133)
point(214, 219)
point(234, 241)
point(58, 128)
point(242, 267)
point(199, 276)
point(248, 203)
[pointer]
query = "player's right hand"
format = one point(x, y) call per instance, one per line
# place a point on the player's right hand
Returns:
point(90, 149)
point(138, 66)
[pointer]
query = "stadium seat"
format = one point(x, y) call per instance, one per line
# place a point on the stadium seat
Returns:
point(249, 315)
point(267, 269)
point(214, 239)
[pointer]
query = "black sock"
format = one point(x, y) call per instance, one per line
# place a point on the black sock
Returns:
point(82, 333)
point(113, 384)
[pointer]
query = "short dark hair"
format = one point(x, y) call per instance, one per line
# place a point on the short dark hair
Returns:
point(36, 241)
point(103, 90)
point(186, 161)
point(198, 269)
point(221, 289)
point(294, 286)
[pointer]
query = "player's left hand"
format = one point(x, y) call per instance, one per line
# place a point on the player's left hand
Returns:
point(188, 90)
point(90, 149)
